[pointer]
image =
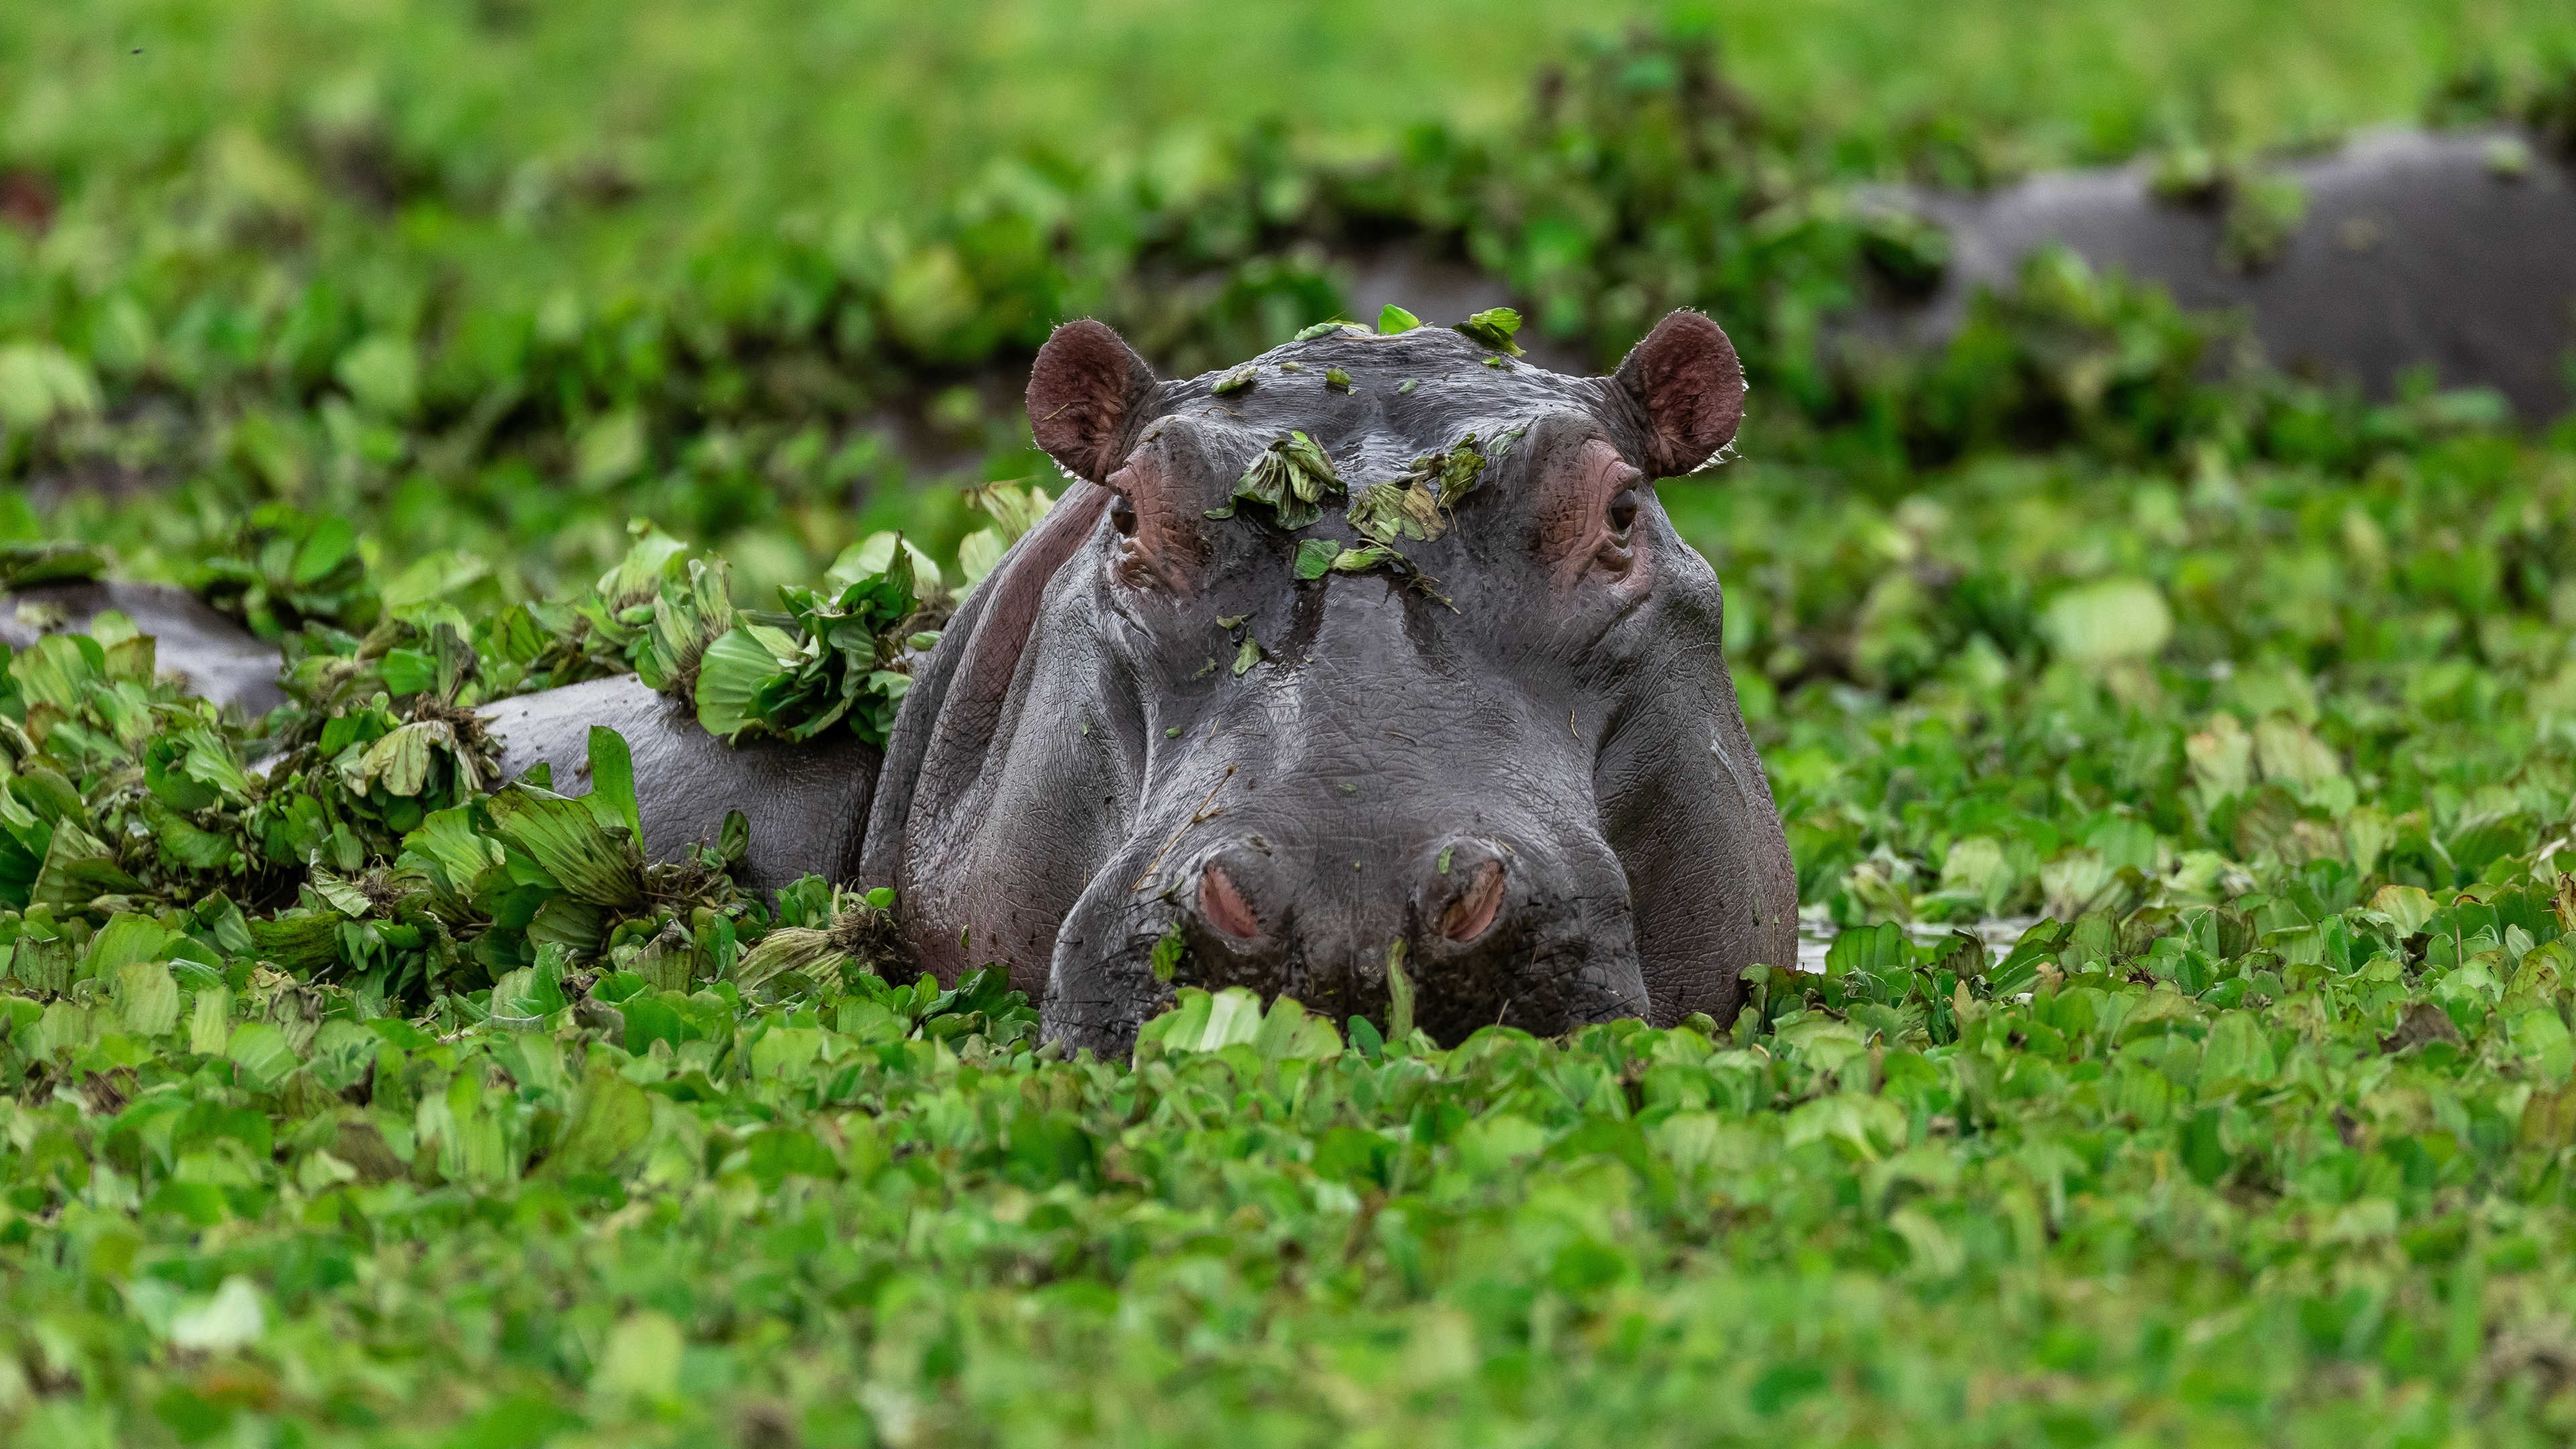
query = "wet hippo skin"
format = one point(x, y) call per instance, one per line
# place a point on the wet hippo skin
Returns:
point(806, 802)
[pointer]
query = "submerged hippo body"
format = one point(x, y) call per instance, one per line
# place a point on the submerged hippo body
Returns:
point(806, 802)
point(1526, 765)
point(213, 657)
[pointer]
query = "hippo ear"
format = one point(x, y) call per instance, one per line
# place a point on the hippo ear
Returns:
point(1685, 378)
point(1083, 394)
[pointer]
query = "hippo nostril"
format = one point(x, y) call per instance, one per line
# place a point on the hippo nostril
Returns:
point(1223, 905)
point(1473, 912)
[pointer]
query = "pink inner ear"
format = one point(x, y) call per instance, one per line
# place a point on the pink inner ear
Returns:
point(1686, 377)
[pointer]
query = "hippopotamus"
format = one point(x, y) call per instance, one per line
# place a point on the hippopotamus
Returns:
point(806, 802)
point(211, 656)
point(2446, 250)
point(1168, 743)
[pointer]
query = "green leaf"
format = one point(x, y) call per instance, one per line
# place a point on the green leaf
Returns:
point(612, 782)
point(611, 1117)
point(452, 851)
point(1236, 381)
point(1399, 997)
point(1247, 656)
point(1392, 319)
point(566, 841)
point(1494, 328)
point(1315, 557)
point(148, 996)
point(1337, 379)
point(1319, 329)
point(262, 1054)
point(1168, 950)
point(736, 668)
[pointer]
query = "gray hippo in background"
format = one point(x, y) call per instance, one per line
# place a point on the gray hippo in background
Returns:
point(213, 657)
point(1153, 750)
point(807, 802)
point(2414, 248)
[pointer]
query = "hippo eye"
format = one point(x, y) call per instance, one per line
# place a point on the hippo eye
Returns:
point(1122, 515)
point(1622, 513)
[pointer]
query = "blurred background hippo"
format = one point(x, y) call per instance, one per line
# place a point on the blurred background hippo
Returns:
point(1375, 647)
point(211, 656)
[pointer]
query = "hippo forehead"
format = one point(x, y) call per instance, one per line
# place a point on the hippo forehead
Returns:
point(1380, 424)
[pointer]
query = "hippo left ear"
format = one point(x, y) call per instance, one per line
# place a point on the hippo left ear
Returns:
point(1083, 393)
point(1686, 379)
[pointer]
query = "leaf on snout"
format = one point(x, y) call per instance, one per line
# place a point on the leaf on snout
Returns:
point(1337, 379)
point(1236, 381)
point(1320, 329)
point(1392, 319)
point(1247, 656)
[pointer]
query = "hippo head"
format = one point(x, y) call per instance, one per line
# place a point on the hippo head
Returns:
point(1374, 640)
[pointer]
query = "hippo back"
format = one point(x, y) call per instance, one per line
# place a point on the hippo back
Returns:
point(212, 656)
point(807, 801)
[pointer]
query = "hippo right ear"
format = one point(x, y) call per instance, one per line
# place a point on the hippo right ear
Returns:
point(1686, 379)
point(1083, 395)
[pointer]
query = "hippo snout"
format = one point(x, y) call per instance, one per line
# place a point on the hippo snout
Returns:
point(1493, 933)
point(1458, 895)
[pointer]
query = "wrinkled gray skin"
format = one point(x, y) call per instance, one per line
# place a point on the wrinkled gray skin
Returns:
point(213, 657)
point(1533, 773)
point(806, 802)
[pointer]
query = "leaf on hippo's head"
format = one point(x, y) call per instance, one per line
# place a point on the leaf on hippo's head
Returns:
point(1399, 508)
point(1392, 319)
point(1494, 328)
point(1416, 503)
point(1315, 557)
point(1292, 475)
point(1247, 656)
point(1320, 329)
point(1337, 379)
point(1364, 558)
point(1235, 381)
